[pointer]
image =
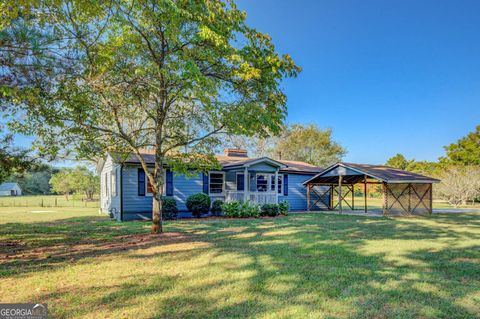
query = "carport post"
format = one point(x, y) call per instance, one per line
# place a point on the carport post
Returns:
point(340, 192)
point(308, 197)
point(365, 191)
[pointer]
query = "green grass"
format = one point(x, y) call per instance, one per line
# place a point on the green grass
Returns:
point(300, 266)
point(47, 201)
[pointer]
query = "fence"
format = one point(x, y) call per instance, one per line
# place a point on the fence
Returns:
point(47, 201)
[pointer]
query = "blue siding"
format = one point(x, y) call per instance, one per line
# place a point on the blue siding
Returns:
point(132, 203)
point(297, 194)
point(184, 186)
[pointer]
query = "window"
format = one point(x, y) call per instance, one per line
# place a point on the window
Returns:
point(149, 187)
point(262, 182)
point(279, 182)
point(216, 183)
point(113, 178)
point(266, 182)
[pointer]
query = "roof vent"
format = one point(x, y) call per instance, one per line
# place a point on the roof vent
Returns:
point(235, 152)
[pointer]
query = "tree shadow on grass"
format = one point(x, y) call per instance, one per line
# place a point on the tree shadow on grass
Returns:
point(286, 267)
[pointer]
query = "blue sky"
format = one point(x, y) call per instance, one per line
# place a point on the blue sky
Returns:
point(387, 76)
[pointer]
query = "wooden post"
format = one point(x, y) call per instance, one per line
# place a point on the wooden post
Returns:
point(385, 199)
point(409, 198)
point(340, 193)
point(365, 191)
point(353, 196)
point(431, 199)
point(308, 197)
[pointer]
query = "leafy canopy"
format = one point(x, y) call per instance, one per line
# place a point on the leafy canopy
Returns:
point(466, 151)
point(309, 143)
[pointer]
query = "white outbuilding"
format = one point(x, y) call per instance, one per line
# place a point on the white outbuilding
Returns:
point(10, 189)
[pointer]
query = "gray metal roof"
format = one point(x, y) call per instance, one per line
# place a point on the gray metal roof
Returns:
point(236, 161)
point(354, 173)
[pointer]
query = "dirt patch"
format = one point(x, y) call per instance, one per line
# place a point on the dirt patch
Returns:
point(86, 248)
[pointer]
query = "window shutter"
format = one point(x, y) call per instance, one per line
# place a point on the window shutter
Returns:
point(141, 182)
point(205, 183)
point(169, 182)
point(285, 185)
point(240, 182)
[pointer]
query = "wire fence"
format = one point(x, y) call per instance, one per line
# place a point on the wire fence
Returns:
point(47, 201)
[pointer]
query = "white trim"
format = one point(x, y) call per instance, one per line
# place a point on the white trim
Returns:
point(223, 184)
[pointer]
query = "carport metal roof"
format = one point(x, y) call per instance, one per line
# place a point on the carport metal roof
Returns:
point(359, 173)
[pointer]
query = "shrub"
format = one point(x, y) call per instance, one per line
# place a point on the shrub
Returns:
point(283, 208)
point(242, 210)
point(170, 210)
point(270, 210)
point(216, 207)
point(231, 209)
point(248, 209)
point(198, 204)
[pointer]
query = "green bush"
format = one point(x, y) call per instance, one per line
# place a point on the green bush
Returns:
point(231, 209)
point(248, 209)
point(283, 208)
point(240, 210)
point(270, 210)
point(198, 204)
point(170, 210)
point(216, 207)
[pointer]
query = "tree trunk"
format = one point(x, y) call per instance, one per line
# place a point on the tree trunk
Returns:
point(157, 208)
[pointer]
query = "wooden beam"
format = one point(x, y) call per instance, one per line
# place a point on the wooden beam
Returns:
point(340, 192)
point(431, 199)
point(353, 196)
point(308, 196)
point(385, 199)
point(365, 191)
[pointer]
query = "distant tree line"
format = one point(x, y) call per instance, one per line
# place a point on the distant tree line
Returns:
point(458, 170)
point(297, 142)
point(44, 179)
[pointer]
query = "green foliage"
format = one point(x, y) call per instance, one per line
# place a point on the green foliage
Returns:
point(271, 210)
point(171, 76)
point(240, 210)
point(399, 161)
point(310, 144)
point(79, 180)
point(283, 207)
point(466, 151)
point(422, 167)
point(216, 207)
point(198, 204)
point(36, 180)
point(231, 209)
point(12, 160)
point(170, 210)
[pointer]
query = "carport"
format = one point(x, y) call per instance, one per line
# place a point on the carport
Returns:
point(402, 192)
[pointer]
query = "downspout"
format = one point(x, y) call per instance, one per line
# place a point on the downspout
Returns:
point(121, 192)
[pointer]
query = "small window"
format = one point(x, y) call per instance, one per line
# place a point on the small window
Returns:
point(216, 183)
point(262, 182)
point(114, 182)
point(279, 181)
point(149, 187)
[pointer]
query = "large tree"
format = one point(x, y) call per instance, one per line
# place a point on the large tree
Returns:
point(164, 75)
point(309, 143)
point(466, 151)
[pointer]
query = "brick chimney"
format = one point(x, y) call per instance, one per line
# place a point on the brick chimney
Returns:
point(235, 152)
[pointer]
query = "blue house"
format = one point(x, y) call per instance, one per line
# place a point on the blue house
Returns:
point(126, 193)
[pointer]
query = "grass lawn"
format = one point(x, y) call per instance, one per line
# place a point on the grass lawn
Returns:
point(300, 266)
